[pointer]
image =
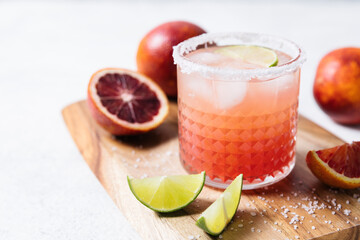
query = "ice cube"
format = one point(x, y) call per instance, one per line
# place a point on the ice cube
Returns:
point(194, 85)
point(207, 58)
point(229, 93)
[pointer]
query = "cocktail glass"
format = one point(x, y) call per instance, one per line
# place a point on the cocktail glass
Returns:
point(238, 119)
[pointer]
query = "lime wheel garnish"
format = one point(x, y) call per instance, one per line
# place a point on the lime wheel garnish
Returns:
point(125, 102)
point(338, 166)
point(261, 56)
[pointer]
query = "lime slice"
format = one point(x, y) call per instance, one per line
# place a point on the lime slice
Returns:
point(261, 56)
point(215, 218)
point(167, 193)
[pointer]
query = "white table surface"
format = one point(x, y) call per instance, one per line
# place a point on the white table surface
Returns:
point(48, 52)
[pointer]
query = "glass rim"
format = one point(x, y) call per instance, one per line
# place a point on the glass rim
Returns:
point(191, 44)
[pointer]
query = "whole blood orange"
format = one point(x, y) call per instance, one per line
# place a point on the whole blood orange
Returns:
point(337, 85)
point(125, 102)
point(154, 55)
point(338, 166)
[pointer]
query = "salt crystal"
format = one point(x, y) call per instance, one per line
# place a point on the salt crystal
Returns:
point(313, 227)
point(220, 236)
point(253, 214)
point(329, 221)
point(252, 229)
point(297, 237)
point(265, 221)
point(240, 225)
point(168, 153)
point(356, 218)
point(347, 221)
point(358, 200)
point(138, 160)
point(251, 222)
point(347, 212)
point(347, 201)
point(191, 237)
point(333, 212)
point(295, 227)
point(135, 166)
point(258, 230)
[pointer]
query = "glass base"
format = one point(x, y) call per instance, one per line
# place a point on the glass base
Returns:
point(258, 183)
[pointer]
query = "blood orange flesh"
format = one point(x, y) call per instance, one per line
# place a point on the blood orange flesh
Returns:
point(127, 98)
point(338, 166)
point(344, 159)
point(126, 102)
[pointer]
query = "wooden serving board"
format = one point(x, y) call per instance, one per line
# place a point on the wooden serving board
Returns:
point(268, 213)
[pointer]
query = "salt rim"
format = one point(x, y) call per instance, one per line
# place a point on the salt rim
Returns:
point(236, 38)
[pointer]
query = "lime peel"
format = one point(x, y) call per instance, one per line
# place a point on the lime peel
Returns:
point(215, 218)
point(167, 193)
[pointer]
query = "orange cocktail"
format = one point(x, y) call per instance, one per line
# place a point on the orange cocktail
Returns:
point(237, 116)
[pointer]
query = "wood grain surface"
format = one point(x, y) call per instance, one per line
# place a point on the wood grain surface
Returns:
point(282, 211)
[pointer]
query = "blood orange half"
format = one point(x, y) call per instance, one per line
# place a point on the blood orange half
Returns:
point(338, 166)
point(125, 102)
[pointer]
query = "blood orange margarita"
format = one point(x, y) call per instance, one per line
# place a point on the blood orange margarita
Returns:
point(235, 115)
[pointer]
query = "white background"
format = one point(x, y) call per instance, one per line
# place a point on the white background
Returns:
point(48, 52)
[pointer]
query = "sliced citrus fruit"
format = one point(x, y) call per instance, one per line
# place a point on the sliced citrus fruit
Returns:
point(215, 218)
point(338, 166)
point(167, 193)
point(125, 102)
point(261, 56)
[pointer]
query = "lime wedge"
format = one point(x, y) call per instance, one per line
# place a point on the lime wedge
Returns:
point(261, 56)
point(215, 218)
point(167, 193)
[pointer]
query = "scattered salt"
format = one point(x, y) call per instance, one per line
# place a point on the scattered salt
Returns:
point(347, 212)
point(313, 227)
